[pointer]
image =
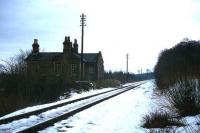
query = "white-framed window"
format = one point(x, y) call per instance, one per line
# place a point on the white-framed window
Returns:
point(73, 68)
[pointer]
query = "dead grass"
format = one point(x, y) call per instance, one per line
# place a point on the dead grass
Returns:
point(160, 120)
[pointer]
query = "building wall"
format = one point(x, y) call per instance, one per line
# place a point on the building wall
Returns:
point(60, 67)
point(95, 70)
point(68, 68)
point(90, 71)
point(100, 67)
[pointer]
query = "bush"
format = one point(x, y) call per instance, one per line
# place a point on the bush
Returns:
point(179, 63)
point(120, 76)
point(10, 103)
point(177, 73)
point(184, 97)
point(106, 83)
point(81, 86)
point(21, 89)
point(160, 120)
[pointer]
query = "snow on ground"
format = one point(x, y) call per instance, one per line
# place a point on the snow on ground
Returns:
point(21, 124)
point(73, 96)
point(192, 124)
point(121, 114)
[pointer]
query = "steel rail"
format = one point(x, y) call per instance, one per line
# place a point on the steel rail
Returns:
point(51, 121)
point(38, 111)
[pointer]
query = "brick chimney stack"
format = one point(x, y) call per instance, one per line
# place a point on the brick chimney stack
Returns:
point(67, 46)
point(75, 46)
point(35, 47)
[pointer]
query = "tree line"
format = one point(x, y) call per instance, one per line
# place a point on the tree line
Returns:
point(179, 63)
point(177, 76)
point(18, 89)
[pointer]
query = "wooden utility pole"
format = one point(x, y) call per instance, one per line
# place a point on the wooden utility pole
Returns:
point(126, 67)
point(83, 19)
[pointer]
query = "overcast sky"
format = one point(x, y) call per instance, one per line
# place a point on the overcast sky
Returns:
point(141, 28)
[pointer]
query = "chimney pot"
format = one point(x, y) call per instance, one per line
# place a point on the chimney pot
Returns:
point(66, 38)
point(36, 41)
point(75, 41)
point(35, 46)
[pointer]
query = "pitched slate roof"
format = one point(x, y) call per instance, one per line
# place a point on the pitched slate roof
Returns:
point(90, 57)
point(43, 56)
point(50, 56)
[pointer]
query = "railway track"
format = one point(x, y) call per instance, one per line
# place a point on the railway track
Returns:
point(42, 118)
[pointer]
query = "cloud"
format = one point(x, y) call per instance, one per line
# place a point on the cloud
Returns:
point(141, 28)
point(49, 20)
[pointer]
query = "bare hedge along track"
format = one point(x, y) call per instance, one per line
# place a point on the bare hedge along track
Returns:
point(82, 103)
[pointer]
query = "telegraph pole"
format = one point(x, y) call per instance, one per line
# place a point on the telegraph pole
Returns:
point(83, 19)
point(126, 67)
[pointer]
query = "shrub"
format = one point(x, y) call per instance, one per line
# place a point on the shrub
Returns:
point(107, 83)
point(19, 89)
point(177, 75)
point(160, 120)
point(10, 103)
point(81, 86)
point(182, 62)
point(184, 97)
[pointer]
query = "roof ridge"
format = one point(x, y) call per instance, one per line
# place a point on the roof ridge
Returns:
point(89, 53)
point(50, 52)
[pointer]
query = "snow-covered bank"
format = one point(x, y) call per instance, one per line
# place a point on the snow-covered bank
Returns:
point(121, 114)
point(73, 96)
